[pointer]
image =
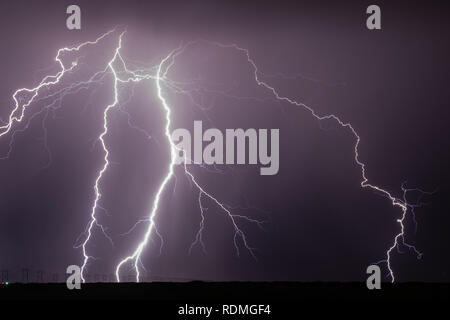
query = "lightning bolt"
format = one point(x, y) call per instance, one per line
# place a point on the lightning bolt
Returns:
point(105, 158)
point(402, 204)
point(24, 97)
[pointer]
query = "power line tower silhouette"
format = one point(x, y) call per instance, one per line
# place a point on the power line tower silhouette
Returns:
point(40, 276)
point(55, 277)
point(25, 275)
point(5, 275)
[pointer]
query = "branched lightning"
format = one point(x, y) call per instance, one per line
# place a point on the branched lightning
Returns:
point(117, 68)
point(45, 83)
point(136, 256)
point(106, 155)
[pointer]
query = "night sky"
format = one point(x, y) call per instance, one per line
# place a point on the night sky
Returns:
point(390, 84)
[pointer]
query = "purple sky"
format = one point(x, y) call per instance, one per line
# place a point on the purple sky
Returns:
point(390, 84)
